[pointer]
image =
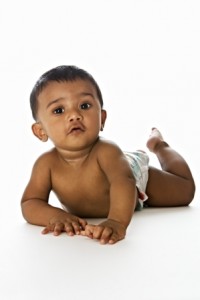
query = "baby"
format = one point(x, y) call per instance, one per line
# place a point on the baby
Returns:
point(91, 176)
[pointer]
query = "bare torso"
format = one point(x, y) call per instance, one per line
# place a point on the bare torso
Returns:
point(81, 186)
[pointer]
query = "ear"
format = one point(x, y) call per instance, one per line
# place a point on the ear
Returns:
point(103, 118)
point(39, 132)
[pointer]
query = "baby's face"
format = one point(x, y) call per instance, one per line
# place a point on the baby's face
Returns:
point(70, 114)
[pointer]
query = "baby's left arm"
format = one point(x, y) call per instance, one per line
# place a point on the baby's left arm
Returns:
point(123, 195)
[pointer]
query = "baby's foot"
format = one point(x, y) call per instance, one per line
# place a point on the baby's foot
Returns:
point(155, 140)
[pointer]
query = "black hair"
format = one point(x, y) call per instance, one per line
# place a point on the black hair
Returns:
point(60, 74)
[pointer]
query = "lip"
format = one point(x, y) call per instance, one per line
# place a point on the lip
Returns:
point(76, 128)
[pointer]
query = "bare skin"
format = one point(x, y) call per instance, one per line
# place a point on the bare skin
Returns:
point(171, 186)
point(91, 176)
point(174, 184)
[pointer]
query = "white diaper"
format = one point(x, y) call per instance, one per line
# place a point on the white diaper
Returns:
point(139, 162)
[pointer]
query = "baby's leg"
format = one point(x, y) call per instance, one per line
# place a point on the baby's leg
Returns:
point(174, 184)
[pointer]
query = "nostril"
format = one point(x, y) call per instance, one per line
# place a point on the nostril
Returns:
point(75, 118)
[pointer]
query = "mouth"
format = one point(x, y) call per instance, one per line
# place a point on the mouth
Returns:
point(76, 129)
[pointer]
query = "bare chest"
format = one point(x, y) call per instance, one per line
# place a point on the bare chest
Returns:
point(82, 190)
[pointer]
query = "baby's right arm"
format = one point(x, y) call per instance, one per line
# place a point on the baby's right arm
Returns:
point(36, 209)
point(56, 220)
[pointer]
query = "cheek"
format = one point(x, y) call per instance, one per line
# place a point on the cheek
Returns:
point(52, 128)
point(95, 121)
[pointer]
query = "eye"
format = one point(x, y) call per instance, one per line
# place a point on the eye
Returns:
point(85, 106)
point(58, 111)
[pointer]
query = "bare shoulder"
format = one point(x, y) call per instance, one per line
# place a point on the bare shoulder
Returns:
point(46, 159)
point(107, 150)
point(40, 184)
point(112, 160)
point(108, 144)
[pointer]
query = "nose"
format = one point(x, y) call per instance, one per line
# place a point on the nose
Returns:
point(74, 116)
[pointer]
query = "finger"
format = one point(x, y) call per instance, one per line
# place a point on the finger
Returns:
point(46, 230)
point(69, 229)
point(76, 227)
point(88, 231)
point(115, 238)
point(98, 231)
point(106, 235)
point(82, 232)
point(82, 222)
point(58, 228)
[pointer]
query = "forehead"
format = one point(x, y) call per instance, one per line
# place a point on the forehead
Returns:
point(55, 90)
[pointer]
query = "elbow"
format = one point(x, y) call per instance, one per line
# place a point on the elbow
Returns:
point(189, 193)
point(27, 211)
point(24, 212)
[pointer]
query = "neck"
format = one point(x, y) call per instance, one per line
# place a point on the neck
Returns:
point(75, 156)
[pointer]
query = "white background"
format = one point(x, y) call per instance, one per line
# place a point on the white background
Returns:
point(145, 56)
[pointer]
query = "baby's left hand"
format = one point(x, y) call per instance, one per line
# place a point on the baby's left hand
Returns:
point(107, 232)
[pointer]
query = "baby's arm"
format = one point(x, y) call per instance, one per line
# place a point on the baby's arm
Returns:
point(123, 196)
point(36, 209)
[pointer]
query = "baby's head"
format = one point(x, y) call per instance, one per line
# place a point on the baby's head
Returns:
point(61, 74)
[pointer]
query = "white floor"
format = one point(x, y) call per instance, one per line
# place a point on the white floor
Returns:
point(145, 56)
point(159, 259)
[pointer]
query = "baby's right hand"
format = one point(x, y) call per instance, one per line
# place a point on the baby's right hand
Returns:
point(65, 223)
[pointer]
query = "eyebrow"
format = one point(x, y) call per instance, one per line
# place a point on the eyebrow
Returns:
point(54, 101)
point(85, 94)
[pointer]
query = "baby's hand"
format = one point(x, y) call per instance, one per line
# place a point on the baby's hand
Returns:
point(107, 232)
point(65, 223)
